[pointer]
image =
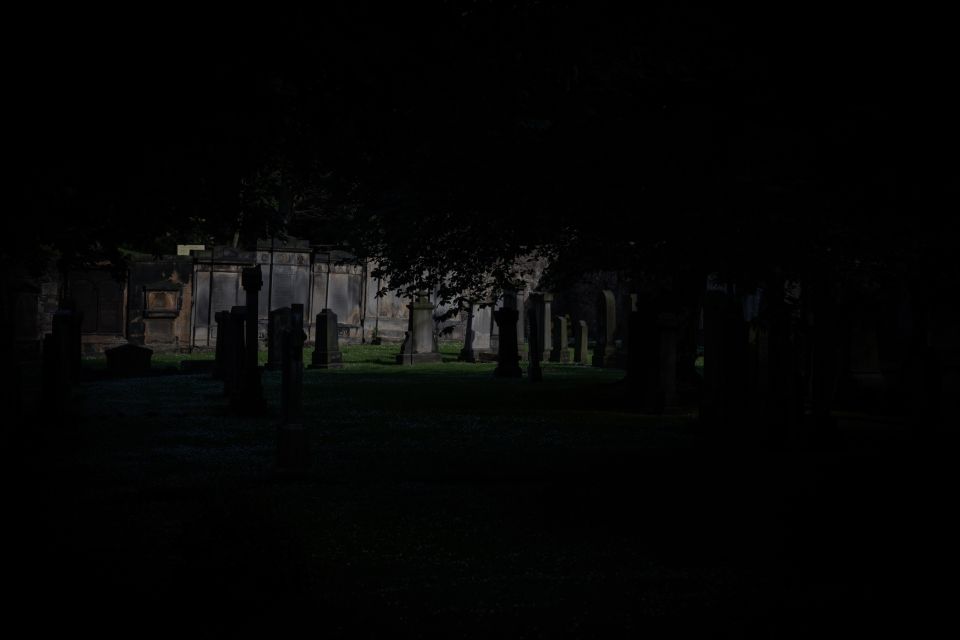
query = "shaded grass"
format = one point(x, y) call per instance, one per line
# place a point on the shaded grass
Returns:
point(442, 499)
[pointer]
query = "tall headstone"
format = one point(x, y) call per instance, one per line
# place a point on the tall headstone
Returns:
point(668, 324)
point(513, 299)
point(482, 323)
point(604, 353)
point(724, 360)
point(467, 354)
point(580, 348)
point(220, 358)
point(293, 451)
point(278, 320)
point(326, 350)
point(234, 351)
point(623, 329)
point(61, 360)
point(420, 344)
point(250, 399)
point(546, 325)
point(535, 338)
point(508, 356)
point(558, 349)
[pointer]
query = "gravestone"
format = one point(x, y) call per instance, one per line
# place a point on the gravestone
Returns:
point(278, 321)
point(326, 348)
point(508, 356)
point(668, 324)
point(724, 360)
point(535, 339)
point(558, 349)
point(420, 344)
point(61, 360)
point(128, 360)
point(542, 303)
point(604, 353)
point(220, 358)
point(631, 305)
point(467, 354)
point(249, 399)
point(482, 321)
point(513, 299)
point(580, 347)
point(233, 350)
point(293, 452)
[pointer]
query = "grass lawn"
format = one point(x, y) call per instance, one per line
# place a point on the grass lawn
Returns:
point(442, 500)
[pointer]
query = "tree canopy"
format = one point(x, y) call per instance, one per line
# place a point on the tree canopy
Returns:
point(456, 137)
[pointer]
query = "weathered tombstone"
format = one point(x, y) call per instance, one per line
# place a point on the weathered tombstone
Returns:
point(631, 304)
point(420, 343)
point(278, 320)
point(326, 348)
point(604, 353)
point(824, 369)
point(293, 452)
point(128, 360)
point(482, 321)
point(643, 361)
point(536, 339)
point(508, 356)
point(668, 325)
point(250, 400)
point(558, 350)
point(545, 314)
point(61, 360)
point(513, 299)
point(724, 359)
point(233, 350)
point(467, 354)
point(580, 348)
point(220, 357)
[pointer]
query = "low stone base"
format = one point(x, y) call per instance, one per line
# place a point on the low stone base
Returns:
point(418, 358)
point(326, 360)
point(608, 359)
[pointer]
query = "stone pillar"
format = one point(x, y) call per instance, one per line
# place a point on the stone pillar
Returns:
point(250, 399)
point(558, 350)
point(293, 452)
point(644, 361)
point(724, 360)
point(544, 302)
point(278, 322)
point(824, 368)
point(514, 299)
point(220, 358)
point(326, 348)
point(535, 342)
point(580, 347)
point(482, 321)
point(61, 360)
point(508, 356)
point(233, 350)
point(420, 344)
point(467, 354)
point(604, 353)
point(668, 324)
